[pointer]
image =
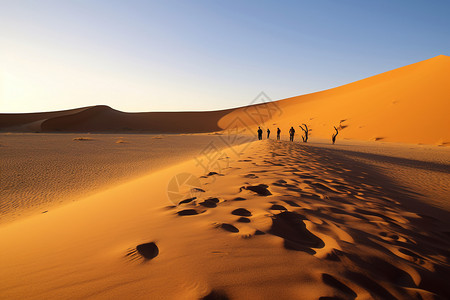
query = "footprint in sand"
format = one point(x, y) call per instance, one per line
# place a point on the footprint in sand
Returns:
point(229, 227)
point(241, 212)
point(243, 220)
point(188, 212)
point(239, 199)
point(210, 202)
point(250, 175)
point(146, 251)
point(261, 189)
point(214, 173)
point(187, 200)
point(290, 227)
point(280, 182)
point(277, 207)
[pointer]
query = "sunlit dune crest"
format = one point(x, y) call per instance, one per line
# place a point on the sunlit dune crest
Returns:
point(408, 105)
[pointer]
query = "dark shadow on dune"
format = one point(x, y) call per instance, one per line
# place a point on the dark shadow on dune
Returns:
point(145, 251)
point(102, 118)
point(210, 203)
point(355, 192)
point(243, 220)
point(239, 199)
point(375, 289)
point(290, 227)
point(216, 295)
point(332, 159)
point(187, 200)
point(333, 282)
point(405, 162)
point(188, 212)
point(277, 207)
point(291, 203)
point(241, 212)
point(148, 250)
point(229, 228)
point(261, 189)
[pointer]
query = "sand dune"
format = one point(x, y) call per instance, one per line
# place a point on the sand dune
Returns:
point(283, 221)
point(262, 220)
point(408, 105)
point(103, 118)
point(31, 122)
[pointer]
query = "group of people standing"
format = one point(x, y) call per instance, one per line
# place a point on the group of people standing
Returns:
point(291, 133)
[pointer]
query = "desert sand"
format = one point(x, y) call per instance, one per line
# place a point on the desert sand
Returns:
point(40, 171)
point(282, 219)
point(219, 215)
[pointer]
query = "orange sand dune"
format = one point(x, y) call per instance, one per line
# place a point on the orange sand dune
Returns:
point(103, 118)
point(32, 121)
point(281, 221)
point(408, 104)
point(265, 220)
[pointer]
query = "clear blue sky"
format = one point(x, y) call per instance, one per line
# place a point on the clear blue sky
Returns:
point(203, 55)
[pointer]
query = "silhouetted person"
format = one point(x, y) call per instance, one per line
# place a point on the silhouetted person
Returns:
point(259, 133)
point(278, 133)
point(333, 138)
point(268, 132)
point(291, 134)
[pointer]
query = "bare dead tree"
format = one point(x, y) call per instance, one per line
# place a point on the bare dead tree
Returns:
point(333, 138)
point(306, 131)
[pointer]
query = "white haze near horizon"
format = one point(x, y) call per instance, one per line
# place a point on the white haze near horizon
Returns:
point(202, 55)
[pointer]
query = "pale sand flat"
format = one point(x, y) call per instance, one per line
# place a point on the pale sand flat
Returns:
point(41, 171)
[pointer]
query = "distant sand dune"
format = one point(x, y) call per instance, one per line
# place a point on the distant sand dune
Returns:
point(105, 119)
point(408, 105)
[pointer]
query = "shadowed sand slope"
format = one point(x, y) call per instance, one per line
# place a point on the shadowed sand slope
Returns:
point(408, 105)
point(32, 121)
point(281, 221)
point(102, 118)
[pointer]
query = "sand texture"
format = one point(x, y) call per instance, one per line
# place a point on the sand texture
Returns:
point(39, 171)
point(219, 215)
point(282, 220)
